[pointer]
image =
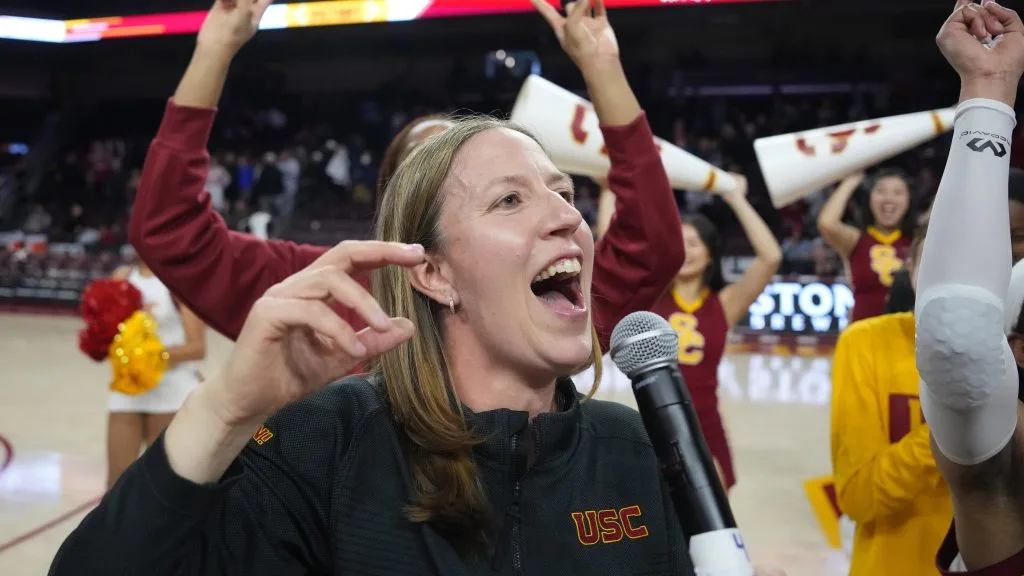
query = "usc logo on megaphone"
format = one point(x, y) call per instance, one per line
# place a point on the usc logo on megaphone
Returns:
point(579, 132)
point(572, 133)
point(839, 140)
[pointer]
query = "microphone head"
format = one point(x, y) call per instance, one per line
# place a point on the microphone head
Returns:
point(643, 340)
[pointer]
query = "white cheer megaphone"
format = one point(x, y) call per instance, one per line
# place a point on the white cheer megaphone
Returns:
point(795, 165)
point(569, 129)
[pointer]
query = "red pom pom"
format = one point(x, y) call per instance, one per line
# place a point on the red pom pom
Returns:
point(105, 304)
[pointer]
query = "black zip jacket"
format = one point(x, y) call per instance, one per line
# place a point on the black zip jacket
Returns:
point(321, 489)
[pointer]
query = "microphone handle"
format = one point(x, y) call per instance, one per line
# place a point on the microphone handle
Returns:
point(715, 543)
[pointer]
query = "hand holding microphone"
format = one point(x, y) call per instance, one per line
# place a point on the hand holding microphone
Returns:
point(645, 347)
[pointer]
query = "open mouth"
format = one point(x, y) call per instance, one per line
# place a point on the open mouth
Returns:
point(558, 286)
point(888, 211)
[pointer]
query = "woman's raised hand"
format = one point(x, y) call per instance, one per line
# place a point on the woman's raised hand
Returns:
point(231, 23)
point(584, 33)
point(985, 45)
point(293, 343)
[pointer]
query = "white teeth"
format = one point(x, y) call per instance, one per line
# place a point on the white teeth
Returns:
point(570, 266)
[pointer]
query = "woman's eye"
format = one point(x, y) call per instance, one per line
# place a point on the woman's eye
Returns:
point(569, 197)
point(510, 201)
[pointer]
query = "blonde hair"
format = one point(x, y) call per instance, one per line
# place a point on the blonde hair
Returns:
point(415, 375)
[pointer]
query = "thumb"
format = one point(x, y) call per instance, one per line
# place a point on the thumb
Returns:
point(378, 342)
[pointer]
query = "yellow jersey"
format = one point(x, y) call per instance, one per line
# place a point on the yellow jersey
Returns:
point(886, 478)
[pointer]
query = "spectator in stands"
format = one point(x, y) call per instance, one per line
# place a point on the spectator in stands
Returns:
point(217, 182)
point(269, 183)
point(245, 175)
point(291, 172)
point(339, 166)
point(74, 224)
point(38, 220)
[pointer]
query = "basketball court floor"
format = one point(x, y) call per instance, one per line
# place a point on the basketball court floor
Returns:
point(53, 430)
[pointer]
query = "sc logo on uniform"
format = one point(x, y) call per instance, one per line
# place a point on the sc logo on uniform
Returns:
point(609, 526)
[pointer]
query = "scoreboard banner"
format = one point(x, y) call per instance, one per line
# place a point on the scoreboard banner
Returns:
point(293, 15)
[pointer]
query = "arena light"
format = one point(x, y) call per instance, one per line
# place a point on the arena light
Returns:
point(31, 29)
point(294, 15)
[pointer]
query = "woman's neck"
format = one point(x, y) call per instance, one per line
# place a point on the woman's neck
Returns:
point(483, 385)
point(688, 288)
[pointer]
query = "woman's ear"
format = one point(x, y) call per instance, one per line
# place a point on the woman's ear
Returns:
point(431, 278)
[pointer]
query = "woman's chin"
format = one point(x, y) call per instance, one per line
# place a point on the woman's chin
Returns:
point(689, 275)
point(566, 360)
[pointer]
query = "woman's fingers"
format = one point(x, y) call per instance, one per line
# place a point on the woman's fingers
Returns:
point(330, 282)
point(368, 255)
point(975, 22)
point(1008, 19)
point(549, 13)
point(380, 341)
point(578, 10)
point(993, 24)
point(289, 313)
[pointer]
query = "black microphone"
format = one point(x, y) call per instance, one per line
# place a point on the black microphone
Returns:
point(646, 348)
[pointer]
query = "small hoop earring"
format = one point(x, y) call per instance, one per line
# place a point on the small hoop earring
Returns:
point(451, 304)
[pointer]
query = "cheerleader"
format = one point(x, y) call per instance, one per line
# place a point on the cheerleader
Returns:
point(702, 309)
point(136, 420)
point(873, 255)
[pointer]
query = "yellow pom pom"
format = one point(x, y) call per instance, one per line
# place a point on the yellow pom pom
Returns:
point(142, 369)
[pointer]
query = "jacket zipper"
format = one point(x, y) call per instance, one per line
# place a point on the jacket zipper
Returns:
point(517, 558)
point(513, 511)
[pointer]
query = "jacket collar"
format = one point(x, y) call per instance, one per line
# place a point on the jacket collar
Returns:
point(506, 434)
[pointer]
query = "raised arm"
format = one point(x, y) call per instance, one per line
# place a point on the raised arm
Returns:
point(737, 297)
point(642, 249)
point(214, 271)
point(840, 236)
point(969, 377)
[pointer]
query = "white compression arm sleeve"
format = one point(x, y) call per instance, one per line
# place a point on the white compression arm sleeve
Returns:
point(969, 388)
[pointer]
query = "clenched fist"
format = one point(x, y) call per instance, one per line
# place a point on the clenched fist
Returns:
point(985, 45)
